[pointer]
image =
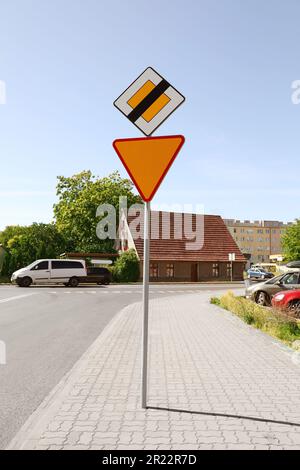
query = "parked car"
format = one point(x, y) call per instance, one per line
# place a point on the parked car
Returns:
point(289, 300)
point(263, 292)
point(98, 275)
point(259, 273)
point(291, 266)
point(270, 267)
point(60, 271)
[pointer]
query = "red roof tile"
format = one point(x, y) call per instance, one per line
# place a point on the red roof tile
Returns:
point(218, 242)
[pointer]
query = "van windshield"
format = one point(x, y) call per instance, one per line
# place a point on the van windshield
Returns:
point(32, 264)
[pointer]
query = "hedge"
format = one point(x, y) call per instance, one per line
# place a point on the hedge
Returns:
point(126, 267)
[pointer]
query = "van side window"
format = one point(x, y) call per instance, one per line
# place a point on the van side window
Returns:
point(40, 266)
point(67, 265)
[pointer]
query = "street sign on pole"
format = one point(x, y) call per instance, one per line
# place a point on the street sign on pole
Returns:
point(147, 103)
point(147, 160)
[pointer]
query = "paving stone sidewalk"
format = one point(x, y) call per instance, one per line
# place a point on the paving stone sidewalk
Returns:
point(204, 363)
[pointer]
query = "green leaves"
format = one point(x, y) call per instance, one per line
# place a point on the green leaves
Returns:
point(127, 267)
point(26, 244)
point(78, 199)
point(291, 242)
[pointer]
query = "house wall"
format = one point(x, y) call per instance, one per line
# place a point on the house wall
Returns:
point(183, 271)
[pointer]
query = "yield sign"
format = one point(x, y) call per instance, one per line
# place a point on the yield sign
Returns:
point(147, 160)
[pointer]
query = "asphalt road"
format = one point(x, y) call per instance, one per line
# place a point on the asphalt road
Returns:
point(47, 329)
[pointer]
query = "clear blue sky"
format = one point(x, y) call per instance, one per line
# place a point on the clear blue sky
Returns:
point(65, 61)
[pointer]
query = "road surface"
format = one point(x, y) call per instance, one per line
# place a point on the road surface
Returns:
point(47, 329)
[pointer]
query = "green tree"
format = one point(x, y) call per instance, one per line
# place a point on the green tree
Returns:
point(127, 267)
point(78, 199)
point(10, 231)
point(291, 242)
point(36, 241)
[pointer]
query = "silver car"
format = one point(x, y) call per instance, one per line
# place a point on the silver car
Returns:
point(262, 292)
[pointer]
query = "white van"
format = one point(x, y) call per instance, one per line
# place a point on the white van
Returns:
point(51, 271)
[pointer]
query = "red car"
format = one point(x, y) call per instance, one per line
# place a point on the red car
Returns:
point(289, 299)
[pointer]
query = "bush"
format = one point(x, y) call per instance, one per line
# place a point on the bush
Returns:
point(271, 321)
point(215, 301)
point(4, 280)
point(127, 267)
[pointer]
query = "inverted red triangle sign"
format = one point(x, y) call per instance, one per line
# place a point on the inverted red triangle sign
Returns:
point(147, 160)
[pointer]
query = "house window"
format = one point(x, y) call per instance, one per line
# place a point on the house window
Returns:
point(170, 270)
point(215, 270)
point(228, 270)
point(153, 270)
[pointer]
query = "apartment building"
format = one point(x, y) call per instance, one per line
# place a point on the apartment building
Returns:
point(259, 239)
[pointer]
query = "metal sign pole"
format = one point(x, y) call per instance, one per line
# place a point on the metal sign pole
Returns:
point(145, 302)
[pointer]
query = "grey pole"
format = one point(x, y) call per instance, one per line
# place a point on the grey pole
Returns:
point(145, 302)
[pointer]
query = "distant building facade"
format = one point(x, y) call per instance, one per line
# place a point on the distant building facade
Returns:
point(258, 240)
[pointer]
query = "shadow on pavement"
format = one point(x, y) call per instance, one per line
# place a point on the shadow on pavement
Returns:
point(224, 415)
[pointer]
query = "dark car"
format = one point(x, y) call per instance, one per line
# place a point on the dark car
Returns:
point(262, 292)
point(98, 275)
point(293, 265)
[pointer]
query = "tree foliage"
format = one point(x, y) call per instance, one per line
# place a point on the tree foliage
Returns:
point(30, 243)
point(11, 231)
point(78, 199)
point(127, 267)
point(291, 242)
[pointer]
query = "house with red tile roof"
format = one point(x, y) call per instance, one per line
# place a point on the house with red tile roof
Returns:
point(183, 247)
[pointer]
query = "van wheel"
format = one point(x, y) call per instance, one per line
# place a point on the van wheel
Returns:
point(26, 282)
point(73, 282)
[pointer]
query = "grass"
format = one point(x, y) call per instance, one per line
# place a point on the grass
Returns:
point(4, 280)
point(273, 322)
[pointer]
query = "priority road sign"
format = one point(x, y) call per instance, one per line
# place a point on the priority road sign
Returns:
point(149, 101)
point(147, 160)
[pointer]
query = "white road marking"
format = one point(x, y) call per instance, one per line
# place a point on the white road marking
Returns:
point(16, 297)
